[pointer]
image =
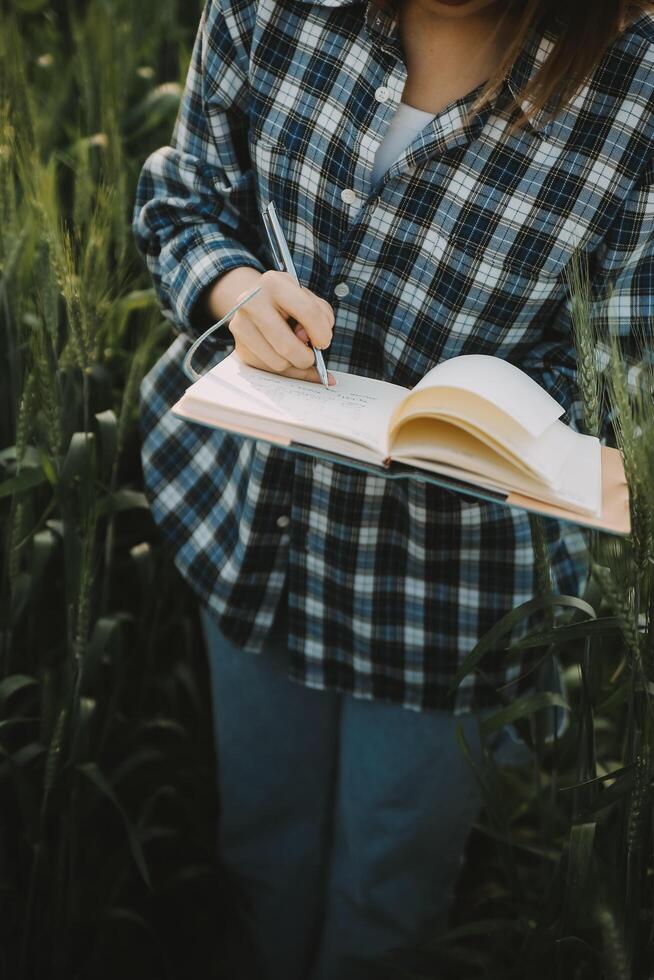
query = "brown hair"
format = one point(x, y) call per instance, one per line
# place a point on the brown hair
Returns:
point(584, 29)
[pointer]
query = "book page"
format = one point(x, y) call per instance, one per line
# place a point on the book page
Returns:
point(501, 384)
point(427, 442)
point(356, 408)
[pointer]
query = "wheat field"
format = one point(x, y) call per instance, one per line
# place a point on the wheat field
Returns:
point(108, 864)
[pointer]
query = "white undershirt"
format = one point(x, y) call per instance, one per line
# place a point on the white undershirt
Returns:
point(402, 130)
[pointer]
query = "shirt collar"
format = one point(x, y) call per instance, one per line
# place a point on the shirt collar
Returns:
point(537, 46)
point(540, 40)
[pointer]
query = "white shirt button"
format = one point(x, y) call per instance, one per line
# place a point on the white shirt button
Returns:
point(283, 521)
point(382, 93)
point(348, 196)
point(341, 289)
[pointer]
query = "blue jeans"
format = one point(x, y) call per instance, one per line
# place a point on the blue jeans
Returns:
point(343, 821)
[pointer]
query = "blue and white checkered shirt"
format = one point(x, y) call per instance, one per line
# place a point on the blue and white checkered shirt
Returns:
point(459, 248)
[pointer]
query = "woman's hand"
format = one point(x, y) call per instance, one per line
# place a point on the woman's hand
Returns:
point(265, 339)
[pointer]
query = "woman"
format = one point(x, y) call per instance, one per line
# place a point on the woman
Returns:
point(436, 164)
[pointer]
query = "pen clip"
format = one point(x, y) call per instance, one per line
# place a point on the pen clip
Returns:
point(277, 234)
point(272, 238)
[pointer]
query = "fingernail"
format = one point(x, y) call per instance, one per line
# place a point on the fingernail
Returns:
point(331, 378)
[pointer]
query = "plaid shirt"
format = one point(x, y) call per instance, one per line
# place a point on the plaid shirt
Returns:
point(459, 248)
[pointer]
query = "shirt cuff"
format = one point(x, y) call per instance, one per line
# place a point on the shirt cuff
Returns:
point(198, 268)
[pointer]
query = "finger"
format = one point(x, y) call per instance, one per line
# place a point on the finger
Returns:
point(250, 358)
point(329, 310)
point(250, 337)
point(279, 334)
point(304, 306)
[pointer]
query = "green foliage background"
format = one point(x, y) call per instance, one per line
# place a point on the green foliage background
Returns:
point(107, 808)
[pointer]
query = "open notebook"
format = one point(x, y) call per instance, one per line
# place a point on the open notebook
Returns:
point(475, 419)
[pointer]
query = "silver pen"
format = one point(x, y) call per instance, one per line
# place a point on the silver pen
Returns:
point(282, 256)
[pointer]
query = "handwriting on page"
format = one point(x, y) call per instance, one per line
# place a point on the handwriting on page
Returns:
point(330, 403)
point(341, 412)
point(356, 408)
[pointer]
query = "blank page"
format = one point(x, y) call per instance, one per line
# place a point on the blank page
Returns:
point(502, 384)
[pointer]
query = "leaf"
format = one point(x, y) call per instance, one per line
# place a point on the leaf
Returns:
point(81, 740)
point(57, 527)
point(163, 794)
point(44, 544)
point(545, 853)
point(31, 456)
point(141, 554)
point(158, 107)
point(107, 429)
point(79, 458)
point(122, 500)
point(620, 788)
point(10, 722)
point(103, 648)
point(567, 634)
point(91, 772)
point(118, 914)
point(30, 6)
point(580, 855)
point(27, 479)
point(491, 639)
point(165, 726)
point(126, 916)
point(483, 927)
point(13, 684)
point(614, 774)
point(26, 755)
point(522, 708)
point(102, 381)
point(20, 593)
point(615, 698)
point(138, 299)
point(137, 760)
point(49, 469)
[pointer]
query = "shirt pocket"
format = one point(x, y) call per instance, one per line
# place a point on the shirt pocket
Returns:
point(537, 252)
point(270, 162)
point(467, 283)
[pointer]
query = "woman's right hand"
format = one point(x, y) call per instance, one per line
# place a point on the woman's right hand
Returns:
point(265, 339)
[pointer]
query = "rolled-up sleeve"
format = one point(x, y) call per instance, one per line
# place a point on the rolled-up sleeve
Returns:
point(195, 214)
point(622, 306)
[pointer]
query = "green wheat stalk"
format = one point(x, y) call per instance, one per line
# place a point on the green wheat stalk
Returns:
point(629, 434)
point(584, 333)
point(640, 796)
point(621, 603)
point(616, 963)
point(17, 525)
point(45, 385)
point(25, 419)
